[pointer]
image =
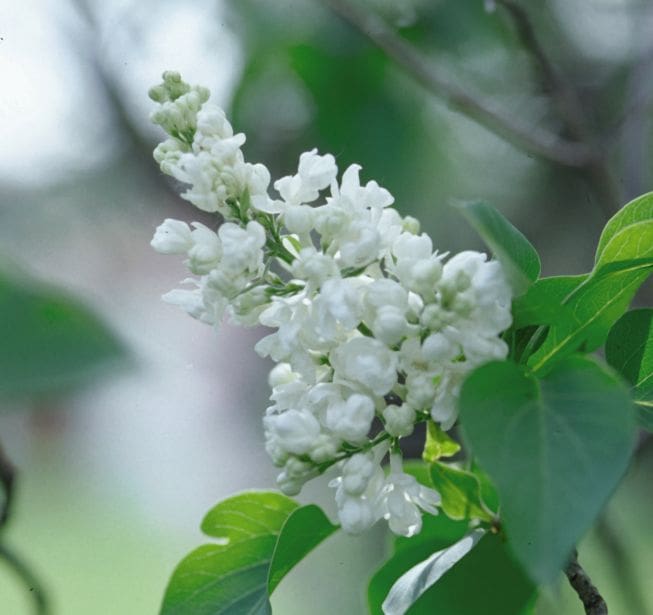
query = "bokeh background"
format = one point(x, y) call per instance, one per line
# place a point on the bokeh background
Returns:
point(160, 418)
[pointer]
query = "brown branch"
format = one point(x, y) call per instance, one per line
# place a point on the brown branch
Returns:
point(531, 139)
point(570, 110)
point(552, 82)
point(28, 578)
point(7, 479)
point(583, 586)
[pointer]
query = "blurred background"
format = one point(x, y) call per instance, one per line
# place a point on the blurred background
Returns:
point(126, 425)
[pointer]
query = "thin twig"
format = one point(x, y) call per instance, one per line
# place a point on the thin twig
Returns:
point(564, 96)
point(7, 479)
point(116, 102)
point(570, 110)
point(590, 597)
point(27, 576)
point(531, 139)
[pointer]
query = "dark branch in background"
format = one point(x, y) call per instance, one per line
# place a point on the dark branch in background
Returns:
point(582, 584)
point(7, 479)
point(635, 124)
point(531, 139)
point(115, 98)
point(20, 569)
point(569, 108)
point(552, 83)
point(25, 574)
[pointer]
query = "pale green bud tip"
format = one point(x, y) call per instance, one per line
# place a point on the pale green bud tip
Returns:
point(171, 89)
point(411, 225)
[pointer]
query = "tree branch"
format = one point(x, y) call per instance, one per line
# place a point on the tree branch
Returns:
point(564, 97)
point(570, 109)
point(583, 586)
point(533, 140)
point(24, 572)
point(7, 479)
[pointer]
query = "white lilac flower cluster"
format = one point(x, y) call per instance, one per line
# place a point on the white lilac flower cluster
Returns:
point(373, 330)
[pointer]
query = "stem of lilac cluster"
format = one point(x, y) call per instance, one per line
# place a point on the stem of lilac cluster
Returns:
point(382, 437)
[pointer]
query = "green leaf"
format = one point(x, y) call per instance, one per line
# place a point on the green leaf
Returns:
point(306, 527)
point(518, 257)
point(438, 443)
point(589, 311)
point(555, 448)
point(541, 303)
point(50, 341)
point(629, 349)
point(414, 582)
point(261, 536)
point(460, 492)
point(638, 210)
point(489, 493)
point(248, 515)
point(499, 585)
point(632, 242)
point(419, 470)
point(585, 320)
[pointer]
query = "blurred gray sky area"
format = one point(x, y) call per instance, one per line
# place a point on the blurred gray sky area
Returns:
point(114, 480)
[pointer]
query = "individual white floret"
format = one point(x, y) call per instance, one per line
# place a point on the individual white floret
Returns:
point(340, 302)
point(484, 285)
point(399, 420)
point(200, 302)
point(294, 431)
point(351, 195)
point(314, 173)
point(358, 491)
point(242, 248)
point(367, 362)
point(294, 475)
point(206, 249)
point(351, 419)
point(299, 219)
point(386, 305)
point(172, 237)
point(402, 499)
point(314, 267)
point(359, 244)
point(416, 267)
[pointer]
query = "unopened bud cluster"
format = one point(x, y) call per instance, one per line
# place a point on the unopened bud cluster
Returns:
point(373, 330)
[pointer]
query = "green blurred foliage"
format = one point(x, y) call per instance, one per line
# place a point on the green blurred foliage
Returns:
point(51, 342)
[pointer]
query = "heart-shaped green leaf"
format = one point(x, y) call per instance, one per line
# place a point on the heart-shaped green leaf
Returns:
point(261, 536)
point(555, 448)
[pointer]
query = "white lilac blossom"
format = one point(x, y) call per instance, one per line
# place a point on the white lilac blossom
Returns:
point(373, 330)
